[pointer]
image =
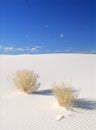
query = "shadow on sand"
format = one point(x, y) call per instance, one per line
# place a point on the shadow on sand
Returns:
point(85, 104)
point(82, 103)
point(46, 92)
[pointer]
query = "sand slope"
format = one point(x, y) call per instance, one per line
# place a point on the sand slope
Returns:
point(37, 111)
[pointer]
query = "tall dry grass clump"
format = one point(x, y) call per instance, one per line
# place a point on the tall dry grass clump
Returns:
point(64, 94)
point(26, 80)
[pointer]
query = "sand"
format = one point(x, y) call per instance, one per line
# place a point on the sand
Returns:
point(20, 111)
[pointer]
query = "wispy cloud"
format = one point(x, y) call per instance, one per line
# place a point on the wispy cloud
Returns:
point(45, 26)
point(59, 51)
point(20, 49)
point(7, 49)
point(26, 36)
point(71, 51)
point(67, 50)
point(0, 47)
point(62, 51)
point(35, 49)
point(93, 51)
point(61, 35)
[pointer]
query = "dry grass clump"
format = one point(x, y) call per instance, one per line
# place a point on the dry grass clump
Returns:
point(63, 94)
point(26, 80)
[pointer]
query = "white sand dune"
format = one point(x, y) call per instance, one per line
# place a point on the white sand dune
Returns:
point(38, 111)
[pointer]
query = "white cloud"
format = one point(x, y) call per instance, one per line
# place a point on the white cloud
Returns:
point(35, 49)
point(6, 49)
point(61, 35)
point(19, 49)
point(14, 49)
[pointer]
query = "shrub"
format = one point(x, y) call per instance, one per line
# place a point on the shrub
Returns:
point(26, 80)
point(64, 94)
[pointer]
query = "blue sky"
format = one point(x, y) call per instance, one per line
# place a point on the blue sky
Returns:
point(47, 26)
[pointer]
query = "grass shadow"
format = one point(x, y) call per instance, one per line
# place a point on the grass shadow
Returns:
point(85, 104)
point(46, 92)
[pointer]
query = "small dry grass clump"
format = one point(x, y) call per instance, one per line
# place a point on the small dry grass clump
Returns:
point(63, 94)
point(26, 80)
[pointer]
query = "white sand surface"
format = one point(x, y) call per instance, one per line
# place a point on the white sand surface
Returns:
point(19, 111)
